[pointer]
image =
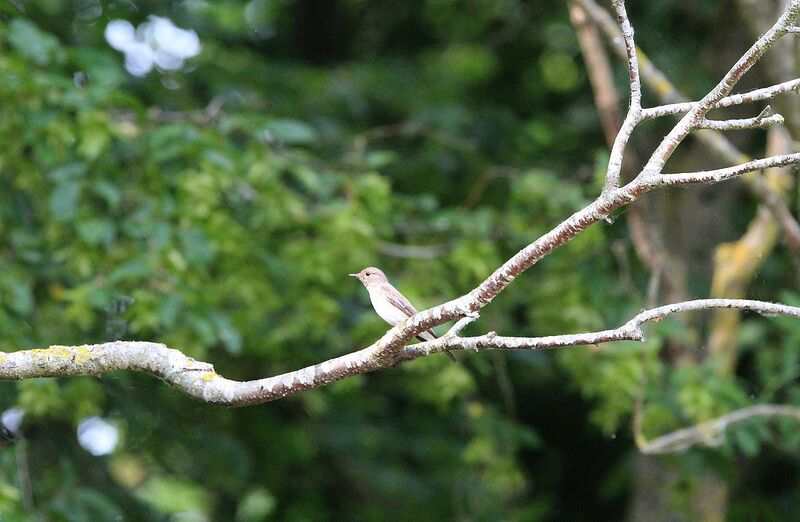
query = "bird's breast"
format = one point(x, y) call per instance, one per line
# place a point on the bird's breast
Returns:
point(385, 309)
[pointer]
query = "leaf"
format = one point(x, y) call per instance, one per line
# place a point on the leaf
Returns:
point(86, 504)
point(380, 158)
point(134, 270)
point(33, 43)
point(94, 140)
point(169, 142)
point(67, 171)
point(40, 397)
point(96, 231)
point(195, 247)
point(746, 441)
point(227, 333)
point(255, 506)
point(172, 495)
point(102, 68)
point(108, 191)
point(292, 132)
point(21, 296)
point(64, 200)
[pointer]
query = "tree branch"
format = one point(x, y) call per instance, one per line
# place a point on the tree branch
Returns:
point(199, 380)
point(692, 119)
point(599, 70)
point(677, 103)
point(630, 331)
point(765, 93)
point(710, 433)
point(634, 115)
point(713, 176)
point(762, 121)
point(646, 238)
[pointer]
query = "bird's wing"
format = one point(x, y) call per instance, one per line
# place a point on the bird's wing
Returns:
point(400, 302)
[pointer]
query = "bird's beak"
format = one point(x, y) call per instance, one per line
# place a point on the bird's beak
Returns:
point(353, 275)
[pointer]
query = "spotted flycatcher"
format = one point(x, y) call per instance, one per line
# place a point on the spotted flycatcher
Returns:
point(389, 303)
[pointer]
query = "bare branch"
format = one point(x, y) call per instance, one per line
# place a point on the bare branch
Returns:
point(691, 120)
point(634, 115)
point(599, 70)
point(461, 324)
point(763, 120)
point(196, 379)
point(713, 176)
point(765, 93)
point(654, 77)
point(630, 331)
point(199, 380)
point(710, 433)
point(766, 191)
point(646, 239)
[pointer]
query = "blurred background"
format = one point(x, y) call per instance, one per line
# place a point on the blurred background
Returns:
point(206, 174)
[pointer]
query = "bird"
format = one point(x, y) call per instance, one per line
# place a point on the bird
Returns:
point(391, 305)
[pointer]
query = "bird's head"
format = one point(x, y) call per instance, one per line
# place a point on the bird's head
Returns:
point(371, 276)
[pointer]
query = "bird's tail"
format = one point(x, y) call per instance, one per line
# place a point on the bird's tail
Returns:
point(428, 335)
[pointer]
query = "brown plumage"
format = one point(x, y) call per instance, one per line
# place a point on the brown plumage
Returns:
point(391, 305)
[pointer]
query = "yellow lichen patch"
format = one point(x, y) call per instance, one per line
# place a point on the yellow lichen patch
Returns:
point(75, 354)
point(208, 376)
point(3, 357)
point(38, 353)
point(82, 354)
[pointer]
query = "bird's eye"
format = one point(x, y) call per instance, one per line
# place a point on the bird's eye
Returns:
point(368, 273)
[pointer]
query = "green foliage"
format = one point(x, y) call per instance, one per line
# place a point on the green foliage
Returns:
point(219, 208)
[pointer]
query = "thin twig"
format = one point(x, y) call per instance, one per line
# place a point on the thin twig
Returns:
point(630, 331)
point(713, 176)
point(598, 68)
point(766, 93)
point(692, 118)
point(634, 115)
point(710, 433)
point(761, 121)
point(677, 103)
point(462, 323)
point(646, 238)
point(199, 380)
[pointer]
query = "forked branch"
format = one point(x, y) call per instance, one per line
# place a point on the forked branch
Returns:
point(199, 380)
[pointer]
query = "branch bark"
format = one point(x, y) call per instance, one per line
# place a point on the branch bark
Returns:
point(199, 380)
point(766, 93)
point(676, 103)
point(634, 115)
